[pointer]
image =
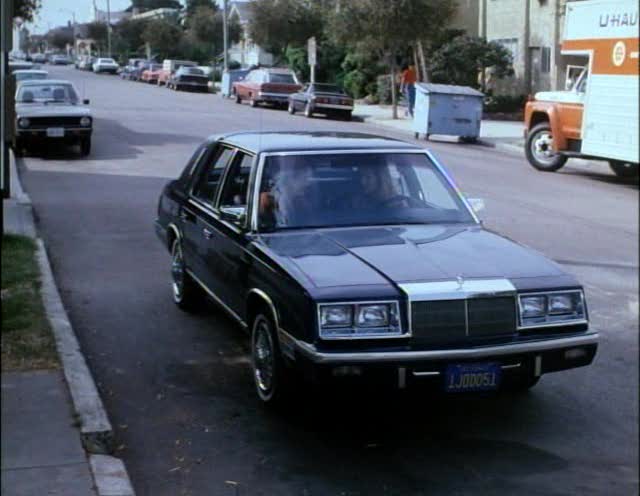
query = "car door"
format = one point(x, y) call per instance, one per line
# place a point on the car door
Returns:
point(227, 257)
point(197, 214)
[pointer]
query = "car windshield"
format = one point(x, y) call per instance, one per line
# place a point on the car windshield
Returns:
point(106, 61)
point(356, 189)
point(192, 70)
point(275, 77)
point(327, 88)
point(47, 93)
point(25, 76)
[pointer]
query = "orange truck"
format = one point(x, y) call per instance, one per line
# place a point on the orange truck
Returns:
point(597, 118)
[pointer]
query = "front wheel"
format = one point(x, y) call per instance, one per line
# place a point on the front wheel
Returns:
point(85, 146)
point(291, 108)
point(539, 149)
point(623, 169)
point(269, 373)
point(308, 111)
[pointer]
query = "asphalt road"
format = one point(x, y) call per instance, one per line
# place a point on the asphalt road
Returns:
point(178, 387)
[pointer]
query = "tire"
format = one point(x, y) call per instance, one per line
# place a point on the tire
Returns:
point(308, 112)
point(538, 149)
point(185, 291)
point(272, 382)
point(468, 139)
point(623, 169)
point(253, 102)
point(85, 146)
point(18, 148)
point(346, 116)
point(291, 108)
point(238, 98)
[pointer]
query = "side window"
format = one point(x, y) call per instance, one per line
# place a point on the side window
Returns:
point(191, 164)
point(211, 171)
point(236, 186)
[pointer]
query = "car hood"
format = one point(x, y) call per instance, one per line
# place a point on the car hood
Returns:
point(51, 110)
point(394, 255)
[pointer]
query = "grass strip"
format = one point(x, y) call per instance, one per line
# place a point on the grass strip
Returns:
point(27, 341)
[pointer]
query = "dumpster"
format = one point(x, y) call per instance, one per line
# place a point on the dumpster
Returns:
point(447, 110)
point(230, 77)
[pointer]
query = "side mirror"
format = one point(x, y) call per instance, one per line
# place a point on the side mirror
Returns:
point(477, 204)
point(85, 101)
point(237, 215)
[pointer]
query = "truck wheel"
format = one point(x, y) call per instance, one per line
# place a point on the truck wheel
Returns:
point(539, 149)
point(623, 169)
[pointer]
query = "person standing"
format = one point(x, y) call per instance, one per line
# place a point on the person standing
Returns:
point(408, 81)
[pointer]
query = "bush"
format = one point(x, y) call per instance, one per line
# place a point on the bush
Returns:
point(355, 83)
point(504, 103)
point(383, 89)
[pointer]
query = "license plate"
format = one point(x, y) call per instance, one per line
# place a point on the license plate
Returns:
point(55, 132)
point(472, 377)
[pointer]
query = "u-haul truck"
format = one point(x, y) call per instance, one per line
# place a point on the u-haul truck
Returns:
point(598, 117)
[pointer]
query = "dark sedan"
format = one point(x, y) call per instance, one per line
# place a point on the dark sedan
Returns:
point(327, 99)
point(356, 255)
point(188, 78)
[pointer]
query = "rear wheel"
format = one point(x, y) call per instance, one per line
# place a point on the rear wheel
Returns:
point(308, 111)
point(85, 146)
point(185, 291)
point(238, 99)
point(623, 169)
point(346, 115)
point(539, 149)
point(291, 108)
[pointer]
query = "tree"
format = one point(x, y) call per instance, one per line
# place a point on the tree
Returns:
point(389, 28)
point(461, 60)
point(26, 9)
point(60, 38)
point(129, 34)
point(276, 25)
point(193, 5)
point(163, 36)
point(206, 30)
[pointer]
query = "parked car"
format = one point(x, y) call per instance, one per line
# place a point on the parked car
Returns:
point(190, 78)
point(266, 86)
point(19, 65)
point(151, 73)
point(86, 63)
point(169, 66)
point(352, 254)
point(29, 74)
point(60, 60)
point(50, 110)
point(327, 99)
point(126, 72)
point(38, 58)
point(105, 65)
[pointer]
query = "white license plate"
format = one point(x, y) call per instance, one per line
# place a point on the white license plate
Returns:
point(55, 132)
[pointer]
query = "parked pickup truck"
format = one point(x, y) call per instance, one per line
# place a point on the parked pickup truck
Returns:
point(170, 66)
point(267, 86)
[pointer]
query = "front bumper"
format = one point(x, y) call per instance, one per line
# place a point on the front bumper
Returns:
point(537, 357)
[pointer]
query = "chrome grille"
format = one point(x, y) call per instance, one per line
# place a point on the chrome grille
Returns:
point(53, 121)
point(450, 321)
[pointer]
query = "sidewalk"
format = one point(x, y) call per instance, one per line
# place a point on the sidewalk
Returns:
point(42, 420)
point(492, 133)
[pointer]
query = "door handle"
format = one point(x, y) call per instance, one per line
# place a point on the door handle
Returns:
point(207, 233)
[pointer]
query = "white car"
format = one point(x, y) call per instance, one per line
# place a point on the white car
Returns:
point(105, 65)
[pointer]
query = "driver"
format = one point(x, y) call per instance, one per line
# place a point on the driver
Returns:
point(376, 186)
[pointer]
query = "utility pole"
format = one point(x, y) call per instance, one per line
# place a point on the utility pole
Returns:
point(108, 28)
point(225, 42)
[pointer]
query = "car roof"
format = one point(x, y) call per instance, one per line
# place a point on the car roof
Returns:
point(291, 141)
point(36, 82)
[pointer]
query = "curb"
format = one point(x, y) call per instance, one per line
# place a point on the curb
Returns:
point(109, 473)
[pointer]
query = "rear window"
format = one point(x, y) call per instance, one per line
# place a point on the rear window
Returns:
point(282, 78)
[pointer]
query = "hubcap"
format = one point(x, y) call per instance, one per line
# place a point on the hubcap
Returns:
point(543, 147)
point(263, 357)
point(177, 272)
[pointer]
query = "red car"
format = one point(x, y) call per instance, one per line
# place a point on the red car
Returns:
point(266, 86)
point(150, 75)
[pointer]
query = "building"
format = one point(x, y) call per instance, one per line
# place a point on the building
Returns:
point(114, 16)
point(466, 17)
point(532, 31)
point(246, 52)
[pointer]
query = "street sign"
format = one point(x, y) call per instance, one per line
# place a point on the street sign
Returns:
point(311, 51)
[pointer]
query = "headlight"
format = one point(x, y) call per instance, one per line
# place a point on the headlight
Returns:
point(85, 121)
point(359, 320)
point(553, 308)
point(336, 316)
point(23, 122)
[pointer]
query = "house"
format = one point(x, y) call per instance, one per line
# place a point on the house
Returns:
point(532, 31)
point(246, 52)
